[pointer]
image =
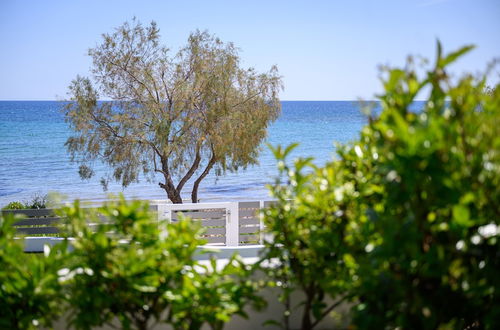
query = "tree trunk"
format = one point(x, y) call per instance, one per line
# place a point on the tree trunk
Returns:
point(173, 194)
point(306, 317)
point(190, 172)
point(196, 185)
point(141, 325)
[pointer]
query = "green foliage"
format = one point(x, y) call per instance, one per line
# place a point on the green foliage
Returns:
point(429, 184)
point(407, 218)
point(37, 202)
point(14, 206)
point(178, 116)
point(309, 227)
point(30, 294)
point(212, 296)
point(123, 266)
point(142, 272)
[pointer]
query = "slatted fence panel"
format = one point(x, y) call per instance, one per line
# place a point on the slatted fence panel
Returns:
point(43, 222)
point(249, 223)
point(213, 220)
point(212, 217)
point(37, 222)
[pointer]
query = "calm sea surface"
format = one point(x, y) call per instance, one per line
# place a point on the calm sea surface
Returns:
point(33, 159)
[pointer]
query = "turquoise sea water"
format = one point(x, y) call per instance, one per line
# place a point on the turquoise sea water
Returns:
point(33, 159)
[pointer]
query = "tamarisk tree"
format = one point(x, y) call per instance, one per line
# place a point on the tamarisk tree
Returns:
point(175, 117)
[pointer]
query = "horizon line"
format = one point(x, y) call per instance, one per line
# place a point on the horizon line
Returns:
point(301, 100)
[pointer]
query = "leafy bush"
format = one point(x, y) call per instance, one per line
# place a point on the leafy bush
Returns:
point(429, 186)
point(142, 272)
point(407, 218)
point(127, 268)
point(14, 206)
point(308, 225)
point(210, 296)
point(37, 202)
point(30, 294)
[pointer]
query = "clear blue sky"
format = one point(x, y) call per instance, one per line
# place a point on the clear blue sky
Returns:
point(326, 50)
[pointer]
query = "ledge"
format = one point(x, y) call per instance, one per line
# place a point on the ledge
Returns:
point(36, 244)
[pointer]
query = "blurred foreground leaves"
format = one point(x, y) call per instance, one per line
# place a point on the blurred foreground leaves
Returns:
point(405, 222)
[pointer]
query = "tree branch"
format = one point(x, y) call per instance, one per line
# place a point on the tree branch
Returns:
point(125, 70)
point(329, 309)
point(154, 161)
point(190, 172)
point(246, 100)
point(194, 192)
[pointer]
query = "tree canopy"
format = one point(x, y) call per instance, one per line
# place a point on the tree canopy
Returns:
point(177, 116)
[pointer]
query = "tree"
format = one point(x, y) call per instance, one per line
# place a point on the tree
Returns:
point(176, 116)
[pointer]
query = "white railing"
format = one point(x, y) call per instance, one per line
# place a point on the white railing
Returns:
point(230, 213)
point(226, 223)
point(229, 224)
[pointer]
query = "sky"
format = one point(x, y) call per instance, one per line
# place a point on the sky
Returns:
point(325, 50)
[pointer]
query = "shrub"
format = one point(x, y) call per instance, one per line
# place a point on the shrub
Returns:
point(406, 220)
point(30, 294)
point(429, 184)
point(37, 202)
point(14, 206)
point(432, 212)
point(142, 272)
point(308, 225)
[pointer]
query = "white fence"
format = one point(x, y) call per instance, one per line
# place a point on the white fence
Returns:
point(226, 223)
point(229, 224)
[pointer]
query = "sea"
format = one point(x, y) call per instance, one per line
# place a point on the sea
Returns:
point(34, 161)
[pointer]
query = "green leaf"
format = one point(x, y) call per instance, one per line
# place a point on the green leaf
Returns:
point(461, 215)
point(289, 149)
point(439, 54)
point(453, 56)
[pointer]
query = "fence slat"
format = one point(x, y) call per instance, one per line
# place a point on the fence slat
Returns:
point(36, 221)
point(213, 223)
point(249, 221)
point(228, 222)
point(199, 215)
point(249, 213)
point(215, 239)
point(38, 230)
point(215, 231)
point(253, 205)
point(252, 229)
point(31, 213)
point(249, 238)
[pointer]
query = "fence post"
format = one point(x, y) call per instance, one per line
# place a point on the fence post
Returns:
point(261, 222)
point(164, 212)
point(232, 224)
